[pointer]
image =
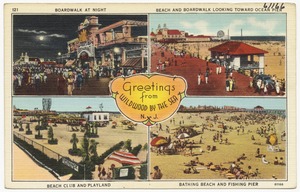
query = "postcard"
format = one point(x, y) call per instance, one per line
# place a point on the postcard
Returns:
point(150, 96)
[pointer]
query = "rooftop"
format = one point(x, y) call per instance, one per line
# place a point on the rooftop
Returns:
point(237, 48)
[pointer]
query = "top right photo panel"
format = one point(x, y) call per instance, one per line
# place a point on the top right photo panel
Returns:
point(222, 54)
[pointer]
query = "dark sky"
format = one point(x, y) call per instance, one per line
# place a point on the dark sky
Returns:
point(56, 30)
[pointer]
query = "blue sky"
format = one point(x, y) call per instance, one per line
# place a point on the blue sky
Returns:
point(210, 24)
point(80, 104)
point(66, 104)
point(249, 103)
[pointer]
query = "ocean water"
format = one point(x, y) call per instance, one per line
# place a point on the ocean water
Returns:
point(259, 38)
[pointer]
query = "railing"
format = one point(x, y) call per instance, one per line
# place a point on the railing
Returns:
point(48, 152)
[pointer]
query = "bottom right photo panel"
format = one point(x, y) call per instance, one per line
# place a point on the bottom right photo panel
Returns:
point(222, 138)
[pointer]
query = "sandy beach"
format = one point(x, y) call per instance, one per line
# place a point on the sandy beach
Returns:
point(173, 165)
point(25, 169)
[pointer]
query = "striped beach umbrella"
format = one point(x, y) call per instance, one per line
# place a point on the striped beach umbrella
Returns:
point(124, 158)
point(158, 141)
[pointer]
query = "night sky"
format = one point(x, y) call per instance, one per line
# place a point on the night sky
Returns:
point(56, 31)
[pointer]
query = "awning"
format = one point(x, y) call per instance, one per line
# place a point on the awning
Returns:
point(133, 62)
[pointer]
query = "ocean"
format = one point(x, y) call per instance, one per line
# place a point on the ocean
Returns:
point(258, 38)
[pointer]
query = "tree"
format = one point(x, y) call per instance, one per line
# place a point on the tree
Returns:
point(50, 133)
point(127, 145)
point(145, 147)
point(93, 147)
point(85, 145)
point(38, 129)
point(74, 141)
point(28, 132)
point(51, 139)
point(135, 151)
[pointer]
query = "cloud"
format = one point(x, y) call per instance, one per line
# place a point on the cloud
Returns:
point(41, 33)
point(268, 26)
point(57, 35)
point(234, 27)
point(31, 31)
point(198, 27)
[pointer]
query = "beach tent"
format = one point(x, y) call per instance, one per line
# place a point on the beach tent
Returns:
point(183, 135)
point(125, 158)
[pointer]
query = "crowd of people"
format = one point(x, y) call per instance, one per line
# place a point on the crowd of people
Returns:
point(193, 146)
point(170, 55)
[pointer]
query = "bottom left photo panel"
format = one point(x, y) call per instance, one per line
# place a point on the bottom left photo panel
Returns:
point(75, 139)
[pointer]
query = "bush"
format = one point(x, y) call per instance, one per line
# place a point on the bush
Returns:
point(53, 141)
point(38, 136)
point(75, 152)
point(116, 147)
point(29, 132)
point(135, 151)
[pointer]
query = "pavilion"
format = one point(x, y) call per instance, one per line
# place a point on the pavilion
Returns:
point(240, 55)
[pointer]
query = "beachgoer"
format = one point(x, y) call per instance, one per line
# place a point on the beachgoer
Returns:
point(157, 173)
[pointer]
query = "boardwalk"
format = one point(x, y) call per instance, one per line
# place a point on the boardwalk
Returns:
point(189, 67)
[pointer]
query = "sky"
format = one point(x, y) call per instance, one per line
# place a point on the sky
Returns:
point(210, 24)
point(80, 104)
point(56, 31)
point(249, 103)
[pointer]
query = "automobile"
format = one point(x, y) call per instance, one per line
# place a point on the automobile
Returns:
point(265, 79)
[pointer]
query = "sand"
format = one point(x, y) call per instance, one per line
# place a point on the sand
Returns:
point(172, 166)
point(25, 169)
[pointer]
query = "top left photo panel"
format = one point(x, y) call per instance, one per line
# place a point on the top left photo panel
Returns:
point(76, 54)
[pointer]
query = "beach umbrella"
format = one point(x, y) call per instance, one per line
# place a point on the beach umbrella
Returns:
point(158, 141)
point(272, 139)
point(183, 135)
point(124, 158)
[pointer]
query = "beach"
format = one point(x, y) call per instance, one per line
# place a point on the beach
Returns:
point(239, 142)
point(25, 169)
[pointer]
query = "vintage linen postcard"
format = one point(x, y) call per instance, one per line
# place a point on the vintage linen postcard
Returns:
point(169, 96)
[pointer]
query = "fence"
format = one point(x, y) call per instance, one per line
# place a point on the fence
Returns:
point(49, 153)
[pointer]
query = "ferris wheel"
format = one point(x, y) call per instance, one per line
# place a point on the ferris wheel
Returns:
point(220, 34)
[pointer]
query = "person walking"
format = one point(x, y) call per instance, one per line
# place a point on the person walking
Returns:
point(206, 76)
point(61, 84)
point(70, 83)
point(199, 78)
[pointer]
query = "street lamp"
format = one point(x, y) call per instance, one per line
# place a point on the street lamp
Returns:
point(59, 57)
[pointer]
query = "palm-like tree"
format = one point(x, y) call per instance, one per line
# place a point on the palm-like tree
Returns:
point(85, 145)
point(74, 141)
point(50, 133)
point(93, 147)
point(127, 145)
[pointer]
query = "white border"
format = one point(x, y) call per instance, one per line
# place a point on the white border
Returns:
point(134, 1)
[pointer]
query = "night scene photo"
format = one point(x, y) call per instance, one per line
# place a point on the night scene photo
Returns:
point(76, 54)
